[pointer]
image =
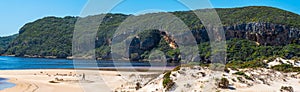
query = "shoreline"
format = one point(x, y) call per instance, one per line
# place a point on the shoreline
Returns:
point(141, 69)
point(65, 80)
point(4, 82)
point(80, 58)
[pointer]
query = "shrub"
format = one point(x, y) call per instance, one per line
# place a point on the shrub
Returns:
point(226, 70)
point(286, 68)
point(257, 63)
point(224, 83)
point(167, 82)
point(243, 74)
point(240, 73)
point(176, 68)
point(138, 86)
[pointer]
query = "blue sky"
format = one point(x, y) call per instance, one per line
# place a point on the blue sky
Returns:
point(16, 13)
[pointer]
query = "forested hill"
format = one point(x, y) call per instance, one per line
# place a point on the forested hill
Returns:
point(268, 27)
point(5, 41)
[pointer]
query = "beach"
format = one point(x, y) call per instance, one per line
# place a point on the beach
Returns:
point(186, 79)
point(69, 80)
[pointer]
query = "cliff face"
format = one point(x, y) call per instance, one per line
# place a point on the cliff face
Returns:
point(139, 45)
point(169, 39)
point(264, 33)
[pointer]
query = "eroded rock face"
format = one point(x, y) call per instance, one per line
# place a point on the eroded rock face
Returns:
point(261, 32)
point(264, 33)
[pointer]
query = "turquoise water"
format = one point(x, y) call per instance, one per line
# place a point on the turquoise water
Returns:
point(16, 63)
point(4, 84)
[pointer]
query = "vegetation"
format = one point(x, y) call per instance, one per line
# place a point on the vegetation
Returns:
point(258, 14)
point(167, 82)
point(138, 86)
point(243, 74)
point(286, 68)
point(176, 68)
point(224, 83)
point(52, 36)
point(231, 16)
point(257, 63)
point(240, 50)
point(5, 41)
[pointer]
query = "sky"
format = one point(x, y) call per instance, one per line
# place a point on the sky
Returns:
point(16, 13)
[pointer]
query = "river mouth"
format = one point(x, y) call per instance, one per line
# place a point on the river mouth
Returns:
point(4, 84)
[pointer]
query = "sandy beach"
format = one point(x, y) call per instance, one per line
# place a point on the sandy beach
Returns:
point(186, 79)
point(67, 80)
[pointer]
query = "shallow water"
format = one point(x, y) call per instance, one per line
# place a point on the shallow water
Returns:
point(4, 84)
point(13, 63)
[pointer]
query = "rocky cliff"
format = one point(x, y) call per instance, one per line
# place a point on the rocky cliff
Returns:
point(264, 33)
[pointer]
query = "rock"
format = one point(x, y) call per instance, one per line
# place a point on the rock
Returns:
point(286, 89)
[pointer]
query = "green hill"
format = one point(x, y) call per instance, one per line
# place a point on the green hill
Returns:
point(52, 36)
point(5, 41)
